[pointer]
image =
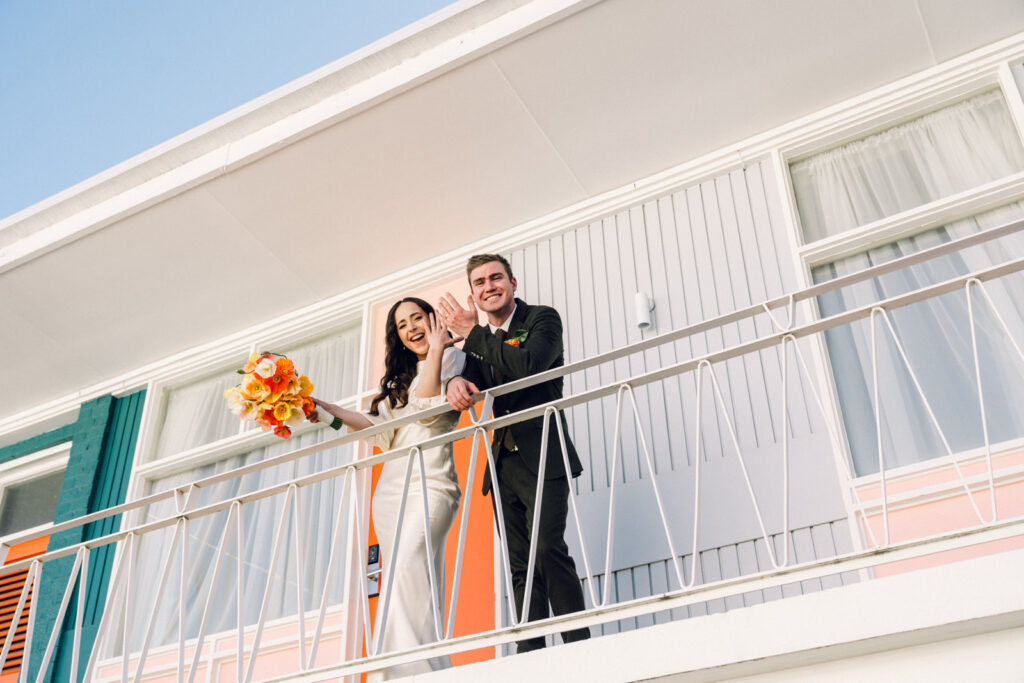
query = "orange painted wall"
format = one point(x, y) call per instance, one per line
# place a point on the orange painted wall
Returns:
point(475, 611)
point(11, 591)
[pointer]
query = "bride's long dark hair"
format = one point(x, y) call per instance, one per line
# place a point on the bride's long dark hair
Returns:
point(399, 361)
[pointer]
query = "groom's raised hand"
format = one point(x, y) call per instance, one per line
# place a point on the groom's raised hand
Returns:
point(459, 320)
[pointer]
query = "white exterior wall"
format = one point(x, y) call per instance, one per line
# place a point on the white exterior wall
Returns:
point(700, 252)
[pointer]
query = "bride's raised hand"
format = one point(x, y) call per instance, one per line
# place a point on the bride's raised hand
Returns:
point(437, 334)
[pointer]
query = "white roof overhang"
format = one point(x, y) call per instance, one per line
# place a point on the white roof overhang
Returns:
point(484, 116)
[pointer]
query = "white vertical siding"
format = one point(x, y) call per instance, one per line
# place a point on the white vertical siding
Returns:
point(699, 252)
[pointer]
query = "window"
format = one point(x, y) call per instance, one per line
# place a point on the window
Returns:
point(935, 156)
point(30, 488)
point(29, 492)
point(195, 415)
point(938, 155)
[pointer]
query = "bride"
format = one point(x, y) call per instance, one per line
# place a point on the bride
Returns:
point(419, 359)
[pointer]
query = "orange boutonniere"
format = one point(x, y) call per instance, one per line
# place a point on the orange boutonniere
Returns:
point(518, 338)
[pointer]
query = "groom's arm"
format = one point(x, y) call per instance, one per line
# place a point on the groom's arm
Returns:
point(459, 390)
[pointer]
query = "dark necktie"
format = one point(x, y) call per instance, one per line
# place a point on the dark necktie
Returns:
point(507, 441)
point(500, 334)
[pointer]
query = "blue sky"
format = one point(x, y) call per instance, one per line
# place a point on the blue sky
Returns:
point(87, 84)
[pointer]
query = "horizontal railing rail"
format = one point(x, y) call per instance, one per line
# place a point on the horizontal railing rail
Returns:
point(789, 300)
point(610, 389)
point(187, 510)
point(713, 590)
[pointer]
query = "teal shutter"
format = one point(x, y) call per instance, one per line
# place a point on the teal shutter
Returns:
point(102, 450)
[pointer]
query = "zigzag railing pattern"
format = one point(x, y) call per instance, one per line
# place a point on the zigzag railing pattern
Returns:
point(351, 520)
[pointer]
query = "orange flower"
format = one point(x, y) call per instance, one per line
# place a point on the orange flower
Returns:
point(285, 366)
point(513, 342)
point(277, 383)
point(251, 365)
point(254, 389)
point(282, 431)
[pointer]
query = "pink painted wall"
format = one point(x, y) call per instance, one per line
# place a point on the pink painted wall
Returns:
point(947, 512)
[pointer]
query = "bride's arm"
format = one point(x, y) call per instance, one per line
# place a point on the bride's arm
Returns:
point(350, 418)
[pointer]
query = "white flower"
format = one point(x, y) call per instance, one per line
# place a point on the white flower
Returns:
point(266, 368)
point(297, 418)
point(235, 402)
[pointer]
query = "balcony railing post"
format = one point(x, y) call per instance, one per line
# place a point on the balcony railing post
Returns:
point(26, 588)
point(240, 593)
point(282, 526)
point(378, 640)
point(332, 562)
point(120, 570)
point(478, 436)
point(184, 496)
point(429, 543)
point(158, 597)
point(29, 634)
point(233, 511)
point(300, 565)
point(69, 588)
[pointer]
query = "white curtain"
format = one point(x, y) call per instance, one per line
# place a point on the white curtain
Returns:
point(194, 415)
point(942, 153)
point(332, 364)
point(935, 156)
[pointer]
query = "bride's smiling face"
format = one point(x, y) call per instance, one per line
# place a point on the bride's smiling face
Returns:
point(411, 322)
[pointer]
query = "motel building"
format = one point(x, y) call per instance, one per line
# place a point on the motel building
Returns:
point(786, 241)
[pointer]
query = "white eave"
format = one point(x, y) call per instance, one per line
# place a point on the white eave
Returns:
point(488, 115)
point(384, 69)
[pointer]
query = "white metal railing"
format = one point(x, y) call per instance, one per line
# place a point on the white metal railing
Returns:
point(351, 516)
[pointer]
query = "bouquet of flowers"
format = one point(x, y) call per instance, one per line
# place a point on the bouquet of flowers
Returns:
point(271, 394)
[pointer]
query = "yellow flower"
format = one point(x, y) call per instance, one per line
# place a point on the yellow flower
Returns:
point(282, 411)
point(306, 387)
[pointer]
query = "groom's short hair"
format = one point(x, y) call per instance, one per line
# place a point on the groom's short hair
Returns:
point(478, 260)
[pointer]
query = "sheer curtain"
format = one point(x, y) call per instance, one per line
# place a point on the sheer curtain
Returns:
point(193, 415)
point(945, 152)
point(937, 155)
point(332, 364)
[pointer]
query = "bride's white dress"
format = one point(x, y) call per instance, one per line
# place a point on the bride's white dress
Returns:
point(410, 619)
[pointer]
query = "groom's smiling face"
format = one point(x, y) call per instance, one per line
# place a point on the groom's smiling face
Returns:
point(493, 289)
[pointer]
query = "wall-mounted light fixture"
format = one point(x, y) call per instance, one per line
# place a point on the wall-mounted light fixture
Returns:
point(644, 306)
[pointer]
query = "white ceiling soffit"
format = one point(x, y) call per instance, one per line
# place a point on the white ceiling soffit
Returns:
point(488, 115)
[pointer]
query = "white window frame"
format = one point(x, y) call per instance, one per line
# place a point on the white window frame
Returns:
point(226, 357)
point(878, 113)
point(27, 468)
point(249, 436)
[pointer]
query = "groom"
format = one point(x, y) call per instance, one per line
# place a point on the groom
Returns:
point(519, 340)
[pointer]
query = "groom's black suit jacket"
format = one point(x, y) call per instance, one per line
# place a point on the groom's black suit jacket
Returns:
point(540, 350)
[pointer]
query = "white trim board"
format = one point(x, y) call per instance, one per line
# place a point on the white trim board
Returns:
point(843, 627)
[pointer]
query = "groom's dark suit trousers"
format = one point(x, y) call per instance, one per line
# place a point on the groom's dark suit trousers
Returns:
point(554, 576)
